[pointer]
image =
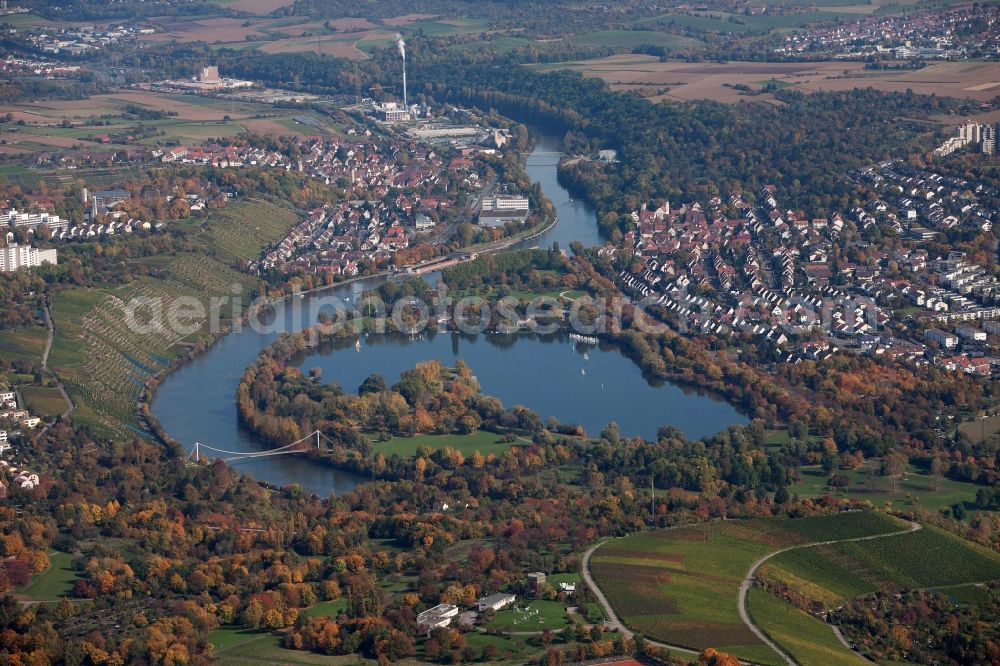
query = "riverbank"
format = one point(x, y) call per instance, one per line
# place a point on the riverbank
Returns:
point(196, 402)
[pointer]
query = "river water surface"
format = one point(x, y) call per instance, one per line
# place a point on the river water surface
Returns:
point(574, 383)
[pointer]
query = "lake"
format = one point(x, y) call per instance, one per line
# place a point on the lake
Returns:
point(547, 374)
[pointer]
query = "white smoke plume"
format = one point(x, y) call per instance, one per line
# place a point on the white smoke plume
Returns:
point(401, 45)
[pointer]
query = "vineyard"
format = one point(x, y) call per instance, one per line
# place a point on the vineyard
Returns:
point(681, 586)
point(926, 558)
point(104, 361)
point(242, 229)
point(806, 638)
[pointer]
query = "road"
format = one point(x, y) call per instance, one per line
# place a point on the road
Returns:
point(749, 578)
point(616, 624)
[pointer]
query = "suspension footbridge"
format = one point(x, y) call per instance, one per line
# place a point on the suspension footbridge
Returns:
point(310, 442)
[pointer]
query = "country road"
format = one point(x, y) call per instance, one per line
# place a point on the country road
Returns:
point(616, 624)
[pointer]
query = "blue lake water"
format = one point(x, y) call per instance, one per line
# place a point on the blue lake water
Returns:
point(548, 374)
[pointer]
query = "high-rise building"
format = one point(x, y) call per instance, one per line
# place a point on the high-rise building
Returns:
point(14, 257)
point(989, 140)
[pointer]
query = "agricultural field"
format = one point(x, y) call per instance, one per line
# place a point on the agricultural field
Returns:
point(980, 429)
point(258, 7)
point(718, 21)
point(688, 81)
point(195, 120)
point(681, 586)
point(481, 440)
point(351, 38)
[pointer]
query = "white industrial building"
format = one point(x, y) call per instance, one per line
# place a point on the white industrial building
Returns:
point(497, 210)
point(14, 257)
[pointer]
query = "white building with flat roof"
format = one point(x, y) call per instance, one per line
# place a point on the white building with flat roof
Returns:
point(439, 616)
point(969, 332)
point(15, 257)
point(505, 202)
point(31, 221)
point(495, 602)
point(500, 209)
point(946, 340)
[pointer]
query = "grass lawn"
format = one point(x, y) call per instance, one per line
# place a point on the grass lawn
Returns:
point(43, 401)
point(481, 440)
point(513, 648)
point(681, 586)
point(55, 582)
point(805, 638)
point(326, 608)
point(555, 579)
point(225, 637)
point(913, 488)
point(979, 429)
point(531, 615)
point(23, 343)
point(265, 648)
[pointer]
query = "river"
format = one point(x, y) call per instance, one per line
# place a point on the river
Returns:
point(575, 383)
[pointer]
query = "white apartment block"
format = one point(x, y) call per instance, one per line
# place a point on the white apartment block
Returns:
point(15, 257)
point(946, 340)
point(31, 221)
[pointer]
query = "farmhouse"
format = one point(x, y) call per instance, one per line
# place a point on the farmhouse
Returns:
point(495, 601)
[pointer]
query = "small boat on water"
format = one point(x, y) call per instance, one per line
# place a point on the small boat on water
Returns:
point(583, 371)
point(357, 345)
point(586, 356)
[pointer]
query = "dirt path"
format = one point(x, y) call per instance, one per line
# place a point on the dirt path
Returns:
point(749, 578)
point(45, 360)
